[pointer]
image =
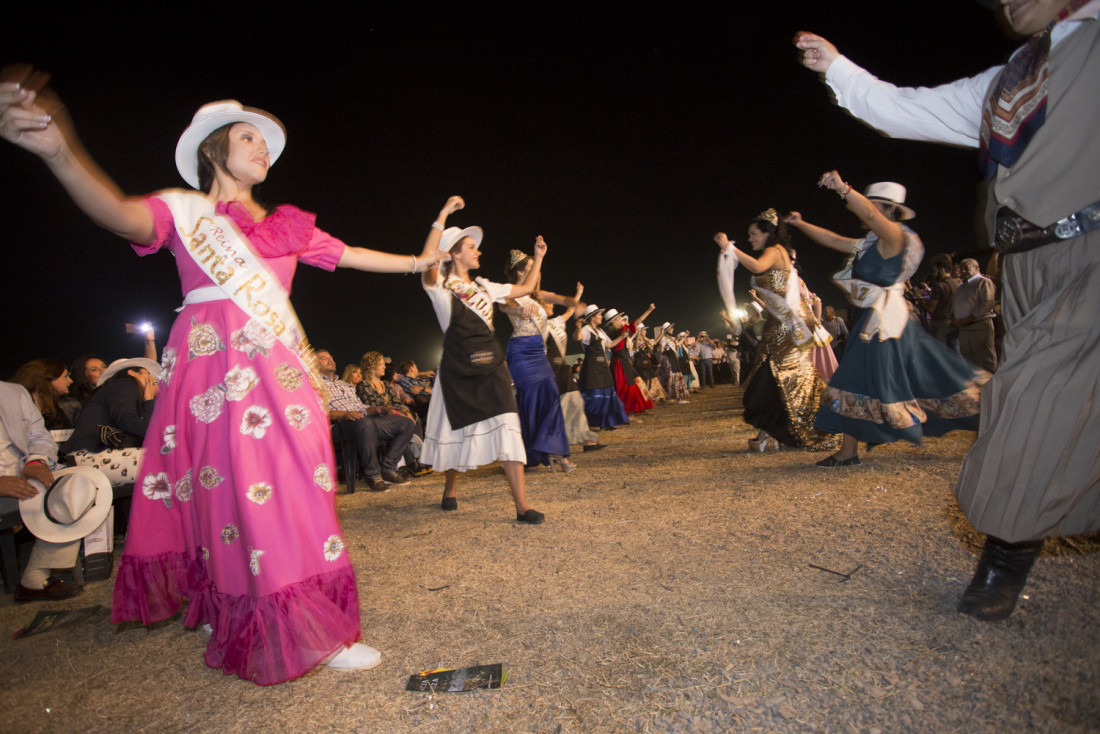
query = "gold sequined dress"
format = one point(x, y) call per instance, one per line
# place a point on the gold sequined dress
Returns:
point(783, 390)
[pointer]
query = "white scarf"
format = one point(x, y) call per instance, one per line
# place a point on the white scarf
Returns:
point(889, 309)
point(727, 264)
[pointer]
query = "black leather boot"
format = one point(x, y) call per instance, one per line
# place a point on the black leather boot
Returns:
point(1001, 575)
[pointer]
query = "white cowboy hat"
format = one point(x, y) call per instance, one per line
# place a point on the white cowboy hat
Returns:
point(128, 364)
point(74, 505)
point(591, 311)
point(891, 193)
point(212, 116)
point(610, 314)
point(451, 235)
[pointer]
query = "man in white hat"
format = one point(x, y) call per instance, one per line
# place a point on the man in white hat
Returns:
point(60, 518)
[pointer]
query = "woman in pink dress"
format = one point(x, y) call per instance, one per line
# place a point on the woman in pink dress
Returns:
point(235, 508)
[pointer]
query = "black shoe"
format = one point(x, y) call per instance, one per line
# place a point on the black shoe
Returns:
point(831, 462)
point(449, 503)
point(395, 477)
point(377, 484)
point(531, 517)
point(595, 446)
point(1001, 575)
point(418, 470)
point(54, 590)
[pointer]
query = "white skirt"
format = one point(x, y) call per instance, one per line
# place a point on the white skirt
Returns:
point(485, 442)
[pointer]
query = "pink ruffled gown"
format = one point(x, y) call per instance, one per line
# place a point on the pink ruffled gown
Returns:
point(234, 506)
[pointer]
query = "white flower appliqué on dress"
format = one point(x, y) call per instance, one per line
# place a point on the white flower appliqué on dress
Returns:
point(323, 477)
point(253, 339)
point(260, 492)
point(334, 547)
point(203, 340)
point(297, 416)
point(256, 421)
point(157, 487)
point(169, 440)
point(239, 382)
point(254, 562)
point(167, 364)
point(208, 406)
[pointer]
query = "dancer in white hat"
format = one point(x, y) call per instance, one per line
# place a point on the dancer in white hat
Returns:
point(896, 380)
point(234, 507)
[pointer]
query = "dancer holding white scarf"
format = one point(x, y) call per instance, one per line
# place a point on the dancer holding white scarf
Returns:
point(783, 389)
point(896, 380)
point(235, 508)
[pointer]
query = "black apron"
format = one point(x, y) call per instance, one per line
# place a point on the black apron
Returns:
point(476, 383)
point(563, 372)
point(595, 372)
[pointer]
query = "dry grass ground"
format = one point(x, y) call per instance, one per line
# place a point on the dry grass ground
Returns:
point(669, 590)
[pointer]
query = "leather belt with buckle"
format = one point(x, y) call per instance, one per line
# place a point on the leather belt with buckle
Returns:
point(1016, 234)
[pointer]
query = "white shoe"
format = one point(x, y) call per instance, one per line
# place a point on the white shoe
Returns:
point(356, 657)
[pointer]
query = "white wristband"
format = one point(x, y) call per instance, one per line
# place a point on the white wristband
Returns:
point(437, 225)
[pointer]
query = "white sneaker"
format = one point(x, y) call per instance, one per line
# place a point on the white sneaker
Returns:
point(355, 657)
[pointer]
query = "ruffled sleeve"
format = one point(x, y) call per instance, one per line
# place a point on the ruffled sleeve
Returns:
point(163, 227)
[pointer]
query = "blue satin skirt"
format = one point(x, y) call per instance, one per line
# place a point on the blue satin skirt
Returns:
point(539, 401)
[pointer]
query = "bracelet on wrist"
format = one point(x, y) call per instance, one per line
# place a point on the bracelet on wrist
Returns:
point(437, 225)
point(847, 191)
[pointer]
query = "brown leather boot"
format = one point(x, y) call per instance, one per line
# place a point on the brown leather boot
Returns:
point(1001, 575)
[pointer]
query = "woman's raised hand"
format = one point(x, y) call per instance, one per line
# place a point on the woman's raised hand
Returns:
point(793, 218)
point(832, 181)
point(540, 246)
point(26, 117)
point(722, 240)
point(817, 53)
point(453, 205)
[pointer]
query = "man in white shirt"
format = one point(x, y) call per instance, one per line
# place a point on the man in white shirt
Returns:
point(1033, 471)
point(27, 455)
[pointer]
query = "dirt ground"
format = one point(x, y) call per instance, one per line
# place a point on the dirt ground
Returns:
point(671, 589)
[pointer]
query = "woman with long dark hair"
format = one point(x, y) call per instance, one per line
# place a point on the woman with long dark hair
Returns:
point(48, 381)
point(783, 390)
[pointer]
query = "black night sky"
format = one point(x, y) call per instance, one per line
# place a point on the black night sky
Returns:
point(624, 133)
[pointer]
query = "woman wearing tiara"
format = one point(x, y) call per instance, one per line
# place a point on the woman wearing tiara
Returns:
point(537, 396)
point(896, 380)
point(473, 419)
point(783, 389)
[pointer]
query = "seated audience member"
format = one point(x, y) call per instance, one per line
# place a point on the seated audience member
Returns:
point(111, 428)
point(352, 375)
point(47, 381)
point(85, 373)
point(417, 385)
point(60, 517)
point(367, 425)
point(376, 390)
